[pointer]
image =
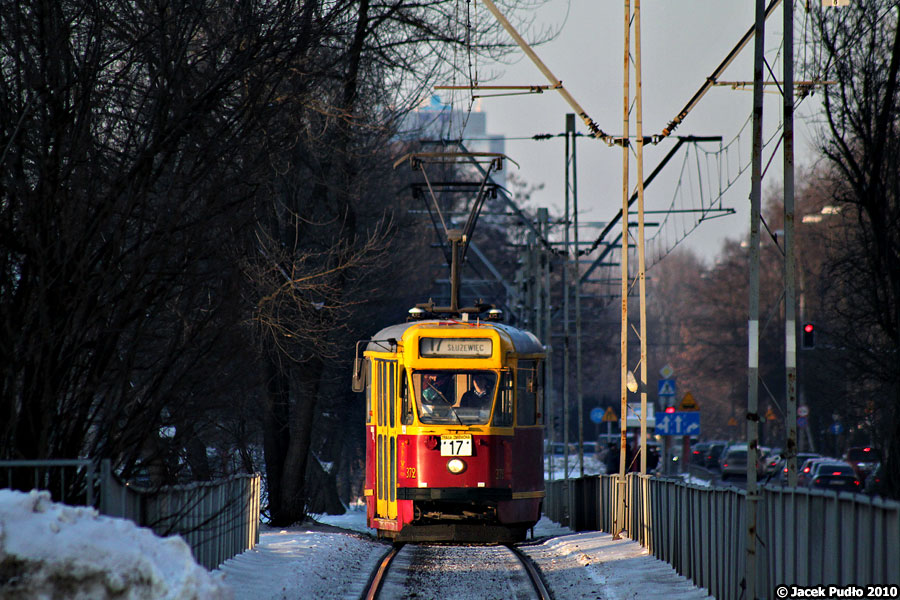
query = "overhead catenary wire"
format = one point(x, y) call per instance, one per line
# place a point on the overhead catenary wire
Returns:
point(716, 180)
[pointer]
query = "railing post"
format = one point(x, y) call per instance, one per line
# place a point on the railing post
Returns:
point(89, 483)
point(105, 488)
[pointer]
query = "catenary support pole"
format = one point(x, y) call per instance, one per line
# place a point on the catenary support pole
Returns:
point(623, 371)
point(566, 332)
point(549, 390)
point(790, 318)
point(642, 282)
point(752, 497)
point(576, 280)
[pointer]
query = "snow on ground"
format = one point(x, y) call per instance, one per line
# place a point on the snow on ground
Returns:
point(318, 562)
point(593, 565)
point(304, 562)
point(50, 550)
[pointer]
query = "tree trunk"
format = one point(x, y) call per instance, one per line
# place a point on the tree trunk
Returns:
point(276, 436)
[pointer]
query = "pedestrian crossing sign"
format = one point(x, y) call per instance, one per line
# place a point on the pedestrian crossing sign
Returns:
point(666, 387)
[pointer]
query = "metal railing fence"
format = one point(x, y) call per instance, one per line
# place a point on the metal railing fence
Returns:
point(217, 519)
point(71, 481)
point(804, 536)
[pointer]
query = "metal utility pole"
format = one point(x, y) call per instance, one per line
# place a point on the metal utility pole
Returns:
point(549, 404)
point(641, 262)
point(790, 319)
point(570, 130)
point(753, 321)
point(623, 442)
point(572, 167)
point(537, 278)
point(565, 290)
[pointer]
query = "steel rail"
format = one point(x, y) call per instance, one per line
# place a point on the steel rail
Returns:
point(533, 574)
point(378, 575)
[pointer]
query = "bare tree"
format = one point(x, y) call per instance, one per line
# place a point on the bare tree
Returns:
point(332, 192)
point(860, 140)
point(122, 187)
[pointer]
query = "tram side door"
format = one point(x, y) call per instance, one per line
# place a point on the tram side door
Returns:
point(386, 439)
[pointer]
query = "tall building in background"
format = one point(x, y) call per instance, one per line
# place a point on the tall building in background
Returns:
point(437, 121)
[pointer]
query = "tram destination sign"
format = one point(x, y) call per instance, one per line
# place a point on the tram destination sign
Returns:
point(430, 347)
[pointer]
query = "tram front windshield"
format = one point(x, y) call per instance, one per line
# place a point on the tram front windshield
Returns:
point(455, 397)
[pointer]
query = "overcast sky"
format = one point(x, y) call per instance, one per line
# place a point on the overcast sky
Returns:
point(683, 42)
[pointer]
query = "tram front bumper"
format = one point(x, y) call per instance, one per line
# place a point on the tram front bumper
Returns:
point(455, 494)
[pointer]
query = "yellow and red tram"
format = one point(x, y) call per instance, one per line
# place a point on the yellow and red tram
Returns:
point(453, 431)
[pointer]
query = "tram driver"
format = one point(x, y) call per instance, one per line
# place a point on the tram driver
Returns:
point(480, 394)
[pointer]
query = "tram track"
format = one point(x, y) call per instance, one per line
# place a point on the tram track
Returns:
point(453, 571)
point(533, 573)
point(377, 579)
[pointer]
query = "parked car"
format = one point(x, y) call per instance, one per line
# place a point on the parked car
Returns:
point(775, 472)
point(771, 462)
point(802, 457)
point(733, 461)
point(713, 452)
point(556, 448)
point(698, 453)
point(863, 460)
point(804, 471)
point(833, 475)
point(873, 481)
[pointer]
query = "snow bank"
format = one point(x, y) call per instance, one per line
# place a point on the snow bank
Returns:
point(302, 562)
point(594, 565)
point(50, 550)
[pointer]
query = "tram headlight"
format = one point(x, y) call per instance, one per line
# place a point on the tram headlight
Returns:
point(456, 466)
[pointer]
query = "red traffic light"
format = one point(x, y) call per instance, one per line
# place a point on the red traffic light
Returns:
point(808, 336)
point(670, 409)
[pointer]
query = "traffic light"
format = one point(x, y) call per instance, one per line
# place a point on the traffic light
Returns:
point(808, 336)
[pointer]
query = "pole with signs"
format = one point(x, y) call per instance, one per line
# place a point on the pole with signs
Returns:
point(688, 403)
point(609, 417)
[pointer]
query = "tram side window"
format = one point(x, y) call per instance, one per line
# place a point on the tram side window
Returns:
point(370, 390)
point(379, 399)
point(527, 392)
point(392, 389)
point(406, 410)
point(503, 414)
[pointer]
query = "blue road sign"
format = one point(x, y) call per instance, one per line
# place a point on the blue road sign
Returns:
point(666, 387)
point(678, 423)
point(597, 415)
point(836, 428)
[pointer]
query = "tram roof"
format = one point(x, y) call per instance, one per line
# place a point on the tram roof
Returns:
point(523, 341)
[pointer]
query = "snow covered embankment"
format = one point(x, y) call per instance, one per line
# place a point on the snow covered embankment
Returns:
point(50, 550)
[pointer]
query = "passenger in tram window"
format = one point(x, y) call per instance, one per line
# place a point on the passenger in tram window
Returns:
point(480, 394)
point(435, 389)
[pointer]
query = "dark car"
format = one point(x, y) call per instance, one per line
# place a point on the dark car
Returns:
point(771, 462)
point(734, 461)
point(713, 453)
point(863, 459)
point(805, 471)
point(802, 457)
point(698, 453)
point(873, 481)
point(833, 475)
